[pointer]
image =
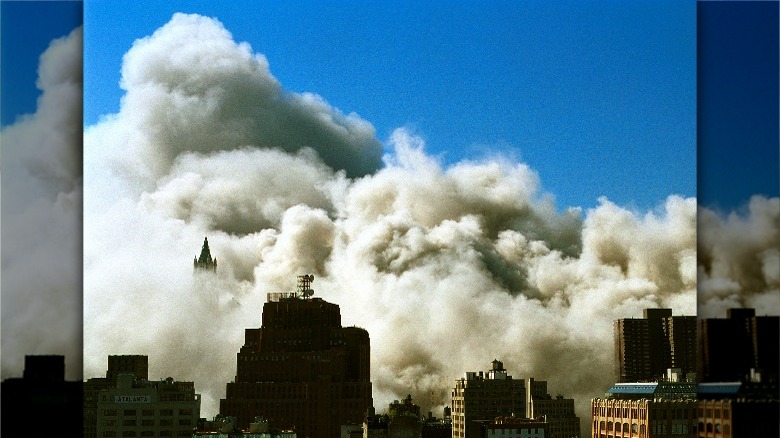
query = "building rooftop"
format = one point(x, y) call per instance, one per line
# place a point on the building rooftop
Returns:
point(664, 390)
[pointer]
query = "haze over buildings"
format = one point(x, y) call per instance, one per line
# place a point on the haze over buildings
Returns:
point(490, 242)
point(402, 248)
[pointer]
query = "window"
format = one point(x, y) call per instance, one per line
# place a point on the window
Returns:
point(109, 422)
point(129, 411)
point(185, 411)
point(109, 412)
point(185, 422)
point(128, 422)
point(147, 422)
point(147, 412)
point(109, 433)
point(128, 433)
point(166, 412)
point(166, 422)
point(147, 433)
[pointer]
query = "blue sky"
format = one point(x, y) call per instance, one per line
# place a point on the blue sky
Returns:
point(598, 97)
point(26, 30)
point(739, 143)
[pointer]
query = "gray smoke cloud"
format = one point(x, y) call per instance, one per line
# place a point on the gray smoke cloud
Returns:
point(41, 223)
point(739, 258)
point(447, 267)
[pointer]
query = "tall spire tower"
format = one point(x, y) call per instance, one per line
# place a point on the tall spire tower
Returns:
point(205, 262)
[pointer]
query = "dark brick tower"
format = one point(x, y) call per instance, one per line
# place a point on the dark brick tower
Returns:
point(301, 369)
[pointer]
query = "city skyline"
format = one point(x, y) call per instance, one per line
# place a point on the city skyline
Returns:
point(266, 241)
point(447, 259)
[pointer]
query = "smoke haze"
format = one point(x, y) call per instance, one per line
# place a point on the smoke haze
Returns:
point(447, 267)
point(41, 223)
point(739, 259)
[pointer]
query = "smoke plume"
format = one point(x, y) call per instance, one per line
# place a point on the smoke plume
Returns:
point(41, 224)
point(447, 267)
point(739, 259)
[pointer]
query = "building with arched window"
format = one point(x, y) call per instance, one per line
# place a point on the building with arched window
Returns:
point(645, 410)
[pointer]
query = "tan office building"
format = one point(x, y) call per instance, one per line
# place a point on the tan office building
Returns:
point(139, 408)
point(645, 410)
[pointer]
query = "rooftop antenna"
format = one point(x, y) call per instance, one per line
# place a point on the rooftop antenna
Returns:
point(304, 286)
point(303, 291)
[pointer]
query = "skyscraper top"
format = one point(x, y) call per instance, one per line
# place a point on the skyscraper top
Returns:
point(205, 261)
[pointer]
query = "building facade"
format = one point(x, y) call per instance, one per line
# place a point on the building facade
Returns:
point(741, 344)
point(137, 365)
point(140, 408)
point(486, 396)
point(738, 409)
point(645, 348)
point(479, 396)
point(513, 428)
point(646, 410)
point(301, 369)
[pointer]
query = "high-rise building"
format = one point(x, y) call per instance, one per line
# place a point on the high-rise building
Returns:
point(301, 369)
point(646, 410)
point(741, 344)
point(739, 365)
point(485, 396)
point(205, 262)
point(645, 348)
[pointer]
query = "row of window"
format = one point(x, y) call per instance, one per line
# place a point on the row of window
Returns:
point(709, 412)
point(150, 422)
point(147, 412)
point(143, 433)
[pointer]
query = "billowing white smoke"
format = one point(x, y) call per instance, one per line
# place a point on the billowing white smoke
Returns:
point(739, 259)
point(41, 223)
point(447, 267)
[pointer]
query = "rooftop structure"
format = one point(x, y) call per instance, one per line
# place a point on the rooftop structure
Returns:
point(649, 410)
point(301, 369)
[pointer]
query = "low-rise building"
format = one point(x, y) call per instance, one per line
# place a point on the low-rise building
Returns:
point(645, 410)
point(510, 427)
point(485, 396)
point(737, 409)
point(140, 408)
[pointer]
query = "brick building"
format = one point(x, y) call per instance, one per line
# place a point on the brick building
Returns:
point(645, 348)
point(301, 369)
